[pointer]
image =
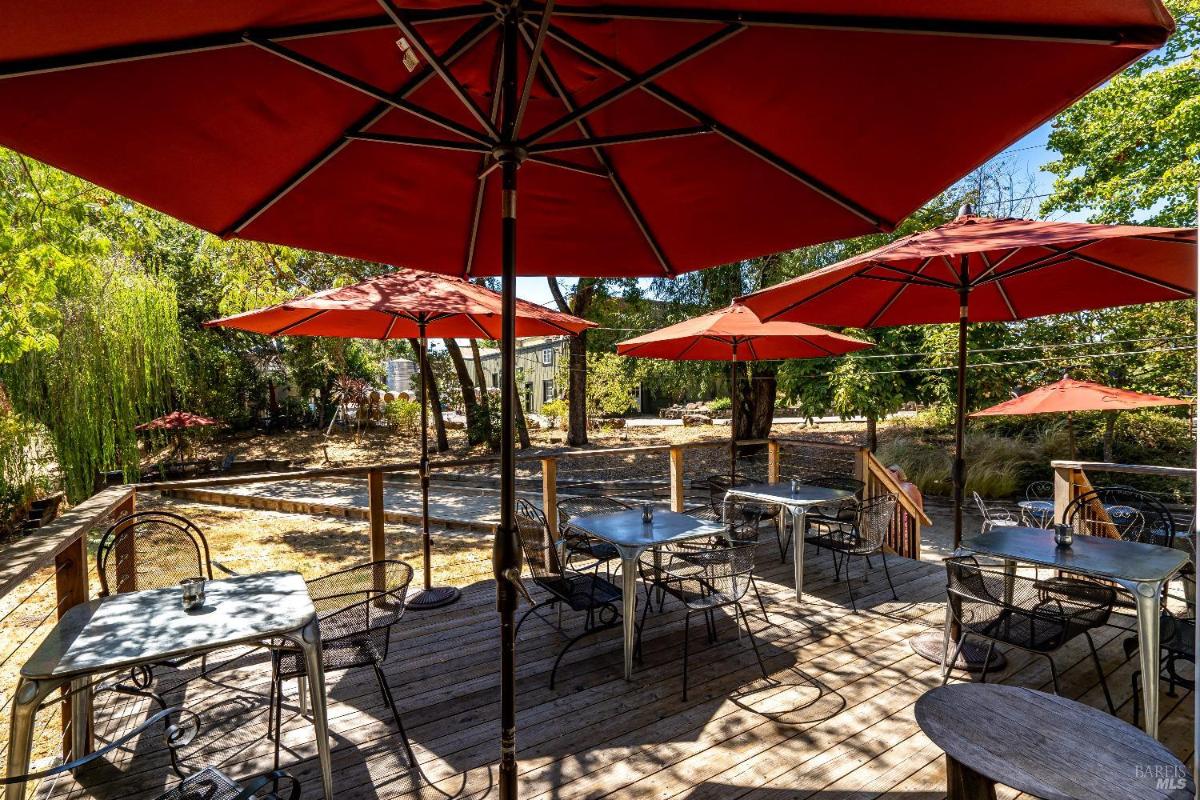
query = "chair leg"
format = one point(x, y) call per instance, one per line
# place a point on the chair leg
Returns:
point(637, 648)
point(954, 658)
point(761, 604)
point(1054, 674)
point(987, 661)
point(753, 643)
point(1137, 688)
point(1100, 671)
point(849, 585)
point(687, 621)
point(386, 691)
point(278, 707)
point(888, 575)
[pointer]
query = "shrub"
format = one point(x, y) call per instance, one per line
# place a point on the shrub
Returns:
point(720, 404)
point(556, 412)
point(402, 414)
point(995, 465)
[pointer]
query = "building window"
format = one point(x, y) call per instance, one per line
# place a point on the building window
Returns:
point(547, 391)
point(495, 376)
point(547, 356)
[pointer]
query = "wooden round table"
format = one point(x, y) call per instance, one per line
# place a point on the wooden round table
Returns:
point(1046, 746)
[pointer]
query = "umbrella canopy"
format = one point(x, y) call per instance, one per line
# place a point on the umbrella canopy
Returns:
point(1012, 269)
point(654, 139)
point(177, 421)
point(404, 304)
point(732, 334)
point(735, 333)
point(1070, 395)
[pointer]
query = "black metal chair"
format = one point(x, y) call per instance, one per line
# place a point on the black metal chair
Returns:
point(206, 784)
point(577, 543)
point(1177, 638)
point(1119, 512)
point(152, 550)
point(706, 581)
point(1019, 611)
point(357, 609)
point(580, 590)
point(864, 535)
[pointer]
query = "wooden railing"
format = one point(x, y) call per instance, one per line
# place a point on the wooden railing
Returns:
point(1071, 478)
point(62, 546)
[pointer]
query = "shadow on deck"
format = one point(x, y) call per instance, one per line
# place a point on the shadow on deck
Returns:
point(834, 721)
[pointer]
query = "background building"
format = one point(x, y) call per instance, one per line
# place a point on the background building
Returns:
point(399, 373)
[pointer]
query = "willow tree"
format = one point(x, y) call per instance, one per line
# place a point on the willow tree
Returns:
point(110, 366)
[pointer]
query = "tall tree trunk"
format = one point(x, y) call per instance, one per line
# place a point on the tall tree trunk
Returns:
point(872, 433)
point(522, 427)
point(577, 391)
point(1110, 432)
point(485, 402)
point(581, 301)
point(442, 444)
point(470, 405)
point(756, 411)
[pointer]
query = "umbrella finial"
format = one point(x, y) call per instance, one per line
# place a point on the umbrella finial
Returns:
point(966, 210)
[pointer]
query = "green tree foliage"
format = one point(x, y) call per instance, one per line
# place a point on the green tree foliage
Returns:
point(1131, 149)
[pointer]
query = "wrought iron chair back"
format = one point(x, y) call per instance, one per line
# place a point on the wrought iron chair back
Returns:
point(541, 556)
point(151, 550)
point(1119, 512)
point(1040, 490)
point(993, 515)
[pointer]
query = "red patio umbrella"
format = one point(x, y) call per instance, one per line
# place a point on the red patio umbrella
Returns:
point(655, 139)
point(732, 334)
point(1068, 395)
point(407, 304)
point(176, 421)
point(985, 269)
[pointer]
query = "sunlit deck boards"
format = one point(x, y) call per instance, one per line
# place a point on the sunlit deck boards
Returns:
point(836, 721)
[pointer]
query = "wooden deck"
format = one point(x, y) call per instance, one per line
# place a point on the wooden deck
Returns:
point(834, 721)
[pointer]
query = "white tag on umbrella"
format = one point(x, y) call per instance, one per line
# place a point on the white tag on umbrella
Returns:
point(410, 55)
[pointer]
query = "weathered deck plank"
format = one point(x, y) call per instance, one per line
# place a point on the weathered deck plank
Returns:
point(835, 721)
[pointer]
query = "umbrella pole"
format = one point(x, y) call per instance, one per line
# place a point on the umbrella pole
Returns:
point(933, 645)
point(430, 596)
point(1071, 435)
point(733, 416)
point(506, 556)
point(960, 419)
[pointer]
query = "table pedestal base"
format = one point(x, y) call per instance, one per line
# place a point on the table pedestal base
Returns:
point(963, 783)
point(970, 658)
point(433, 597)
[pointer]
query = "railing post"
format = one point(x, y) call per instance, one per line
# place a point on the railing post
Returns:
point(375, 515)
point(772, 460)
point(677, 478)
point(861, 470)
point(126, 549)
point(550, 495)
point(1064, 490)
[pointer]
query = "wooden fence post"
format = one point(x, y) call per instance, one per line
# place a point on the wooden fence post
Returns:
point(375, 515)
point(550, 495)
point(677, 478)
point(1064, 491)
point(773, 460)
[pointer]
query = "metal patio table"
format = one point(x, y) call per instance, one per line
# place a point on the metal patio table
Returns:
point(1141, 569)
point(121, 631)
point(797, 501)
point(626, 531)
point(1042, 510)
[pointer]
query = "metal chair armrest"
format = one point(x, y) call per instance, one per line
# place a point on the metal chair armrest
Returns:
point(273, 778)
point(224, 569)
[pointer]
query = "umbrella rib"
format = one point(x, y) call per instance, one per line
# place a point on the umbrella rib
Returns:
point(481, 183)
point(903, 273)
point(486, 333)
point(796, 304)
point(405, 24)
point(472, 36)
point(570, 166)
point(420, 141)
point(363, 87)
point(1129, 273)
point(1067, 34)
point(1000, 284)
point(286, 329)
point(622, 191)
point(896, 296)
point(635, 82)
point(1052, 260)
point(535, 57)
point(127, 53)
point(732, 135)
point(628, 138)
point(992, 267)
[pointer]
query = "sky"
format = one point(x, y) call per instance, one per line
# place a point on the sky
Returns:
point(1028, 154)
